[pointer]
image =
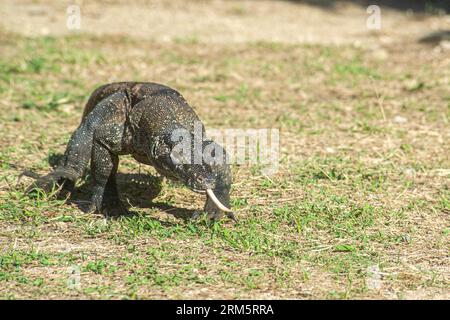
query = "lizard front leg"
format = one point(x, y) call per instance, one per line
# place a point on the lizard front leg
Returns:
point(222, 193)
point(79, 149)
point(76, 158)
point(213, 212)
point(105, 198)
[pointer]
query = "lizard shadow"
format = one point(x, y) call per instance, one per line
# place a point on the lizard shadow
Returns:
point(139, 190)
point(136, 190)
point(135, 194)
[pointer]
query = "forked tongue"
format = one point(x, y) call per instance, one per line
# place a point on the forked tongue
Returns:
point(216, 201)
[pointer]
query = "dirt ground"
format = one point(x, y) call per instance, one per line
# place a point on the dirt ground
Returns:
point(221, 21)
point(359, 208)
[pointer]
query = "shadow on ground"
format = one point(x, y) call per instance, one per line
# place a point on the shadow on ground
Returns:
point(421, 6)
point(138, 190)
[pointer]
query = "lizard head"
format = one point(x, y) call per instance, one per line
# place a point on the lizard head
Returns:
point(202, 167)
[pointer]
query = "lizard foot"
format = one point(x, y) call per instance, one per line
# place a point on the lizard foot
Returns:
point(218, 216)
point(215, 214)
point(57, 180)
point(108, 205)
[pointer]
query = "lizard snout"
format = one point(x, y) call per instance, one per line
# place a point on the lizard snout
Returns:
point(205, 183)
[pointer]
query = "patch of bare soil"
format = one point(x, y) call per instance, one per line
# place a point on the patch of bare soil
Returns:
point(220, 21)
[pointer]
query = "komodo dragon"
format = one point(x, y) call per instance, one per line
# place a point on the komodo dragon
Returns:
point(139, 119)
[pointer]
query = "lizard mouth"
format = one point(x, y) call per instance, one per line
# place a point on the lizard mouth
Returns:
point(213, 197)
point(201, 191)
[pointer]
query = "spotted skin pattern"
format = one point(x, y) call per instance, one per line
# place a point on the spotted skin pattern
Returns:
point(138, 119)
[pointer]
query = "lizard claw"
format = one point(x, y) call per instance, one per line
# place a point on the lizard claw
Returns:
point(232, 217)
point(55, 180)
point(115, 209)
point(109, 206)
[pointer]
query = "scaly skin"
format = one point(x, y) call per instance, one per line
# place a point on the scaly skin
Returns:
point(137, 119)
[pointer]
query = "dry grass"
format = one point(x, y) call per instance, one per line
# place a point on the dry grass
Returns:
point(363, 179)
